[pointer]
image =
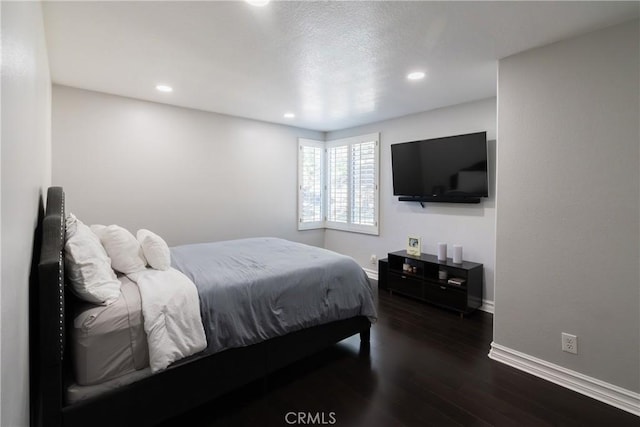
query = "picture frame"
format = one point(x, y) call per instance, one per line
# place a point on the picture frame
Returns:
point(414, 245)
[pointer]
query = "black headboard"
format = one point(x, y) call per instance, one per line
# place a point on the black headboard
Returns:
point(47, 319)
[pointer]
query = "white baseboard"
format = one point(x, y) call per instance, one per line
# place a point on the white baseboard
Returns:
point(372, 274)
point(604, 392)
point(487, 306)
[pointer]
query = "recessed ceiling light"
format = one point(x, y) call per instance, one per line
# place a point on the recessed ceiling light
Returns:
point(164, 88)
point(289, 115)
point(258, 3)
point(416, 75)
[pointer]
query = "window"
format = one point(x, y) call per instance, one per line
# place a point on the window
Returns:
point(338, 185)
point(310, 183)
point(347, 197)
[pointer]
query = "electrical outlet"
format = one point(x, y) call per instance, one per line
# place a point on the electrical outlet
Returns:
point(569, 343)
point(373, 259)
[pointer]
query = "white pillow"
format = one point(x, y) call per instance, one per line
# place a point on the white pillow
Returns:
point(87, 265)
point(97, 229)
point(123, 249)
point(155, 249)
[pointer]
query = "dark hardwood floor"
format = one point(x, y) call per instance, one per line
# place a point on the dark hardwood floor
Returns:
point(424, 367)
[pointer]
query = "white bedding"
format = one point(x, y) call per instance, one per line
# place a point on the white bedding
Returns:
point(172, 321)
point(109, 341)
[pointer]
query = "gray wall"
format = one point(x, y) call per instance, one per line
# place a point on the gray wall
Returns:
point(472, 226)
point(568, 223)
point(26, 173)
point(188, 175)
point(194, 176)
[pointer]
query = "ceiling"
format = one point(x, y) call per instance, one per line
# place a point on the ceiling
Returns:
point(334, 64)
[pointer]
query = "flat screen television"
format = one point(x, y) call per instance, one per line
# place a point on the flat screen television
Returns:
point(448, 169)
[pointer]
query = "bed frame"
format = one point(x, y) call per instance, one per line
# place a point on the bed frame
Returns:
point(183, 386)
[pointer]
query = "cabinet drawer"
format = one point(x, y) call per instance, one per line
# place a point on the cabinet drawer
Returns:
point(406, 285)
point(447, 296)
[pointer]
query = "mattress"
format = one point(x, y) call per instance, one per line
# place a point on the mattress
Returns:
point(255, 289)
point(109, 341)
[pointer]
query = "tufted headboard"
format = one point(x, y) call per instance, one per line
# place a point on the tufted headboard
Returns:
point(47, 317)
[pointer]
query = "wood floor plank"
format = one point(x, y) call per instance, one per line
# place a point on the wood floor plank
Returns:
point(424, 366)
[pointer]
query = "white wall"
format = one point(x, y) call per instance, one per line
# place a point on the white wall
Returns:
point(188, 175)
point(26, 173)
point(194, 176)
point(568, 221)
point(472, 226)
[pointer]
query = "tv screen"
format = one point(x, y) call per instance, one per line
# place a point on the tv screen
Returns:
point(453, 167)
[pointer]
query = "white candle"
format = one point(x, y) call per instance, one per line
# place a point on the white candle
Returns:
point(442, 251)
point(457, 254)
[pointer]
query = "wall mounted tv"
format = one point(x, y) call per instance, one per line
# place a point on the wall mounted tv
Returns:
point(450, 169)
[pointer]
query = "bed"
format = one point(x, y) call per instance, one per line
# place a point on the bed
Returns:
point(149, 398)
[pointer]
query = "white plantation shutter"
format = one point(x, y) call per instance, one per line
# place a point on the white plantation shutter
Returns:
point(352, 168)
point(338, 185)
point(363, 179)
point(310, 184)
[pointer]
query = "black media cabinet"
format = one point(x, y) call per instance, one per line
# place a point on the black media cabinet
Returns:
point(418, 277)
point(383, 268)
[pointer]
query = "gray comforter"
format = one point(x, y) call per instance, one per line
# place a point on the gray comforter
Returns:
point(255, 289)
